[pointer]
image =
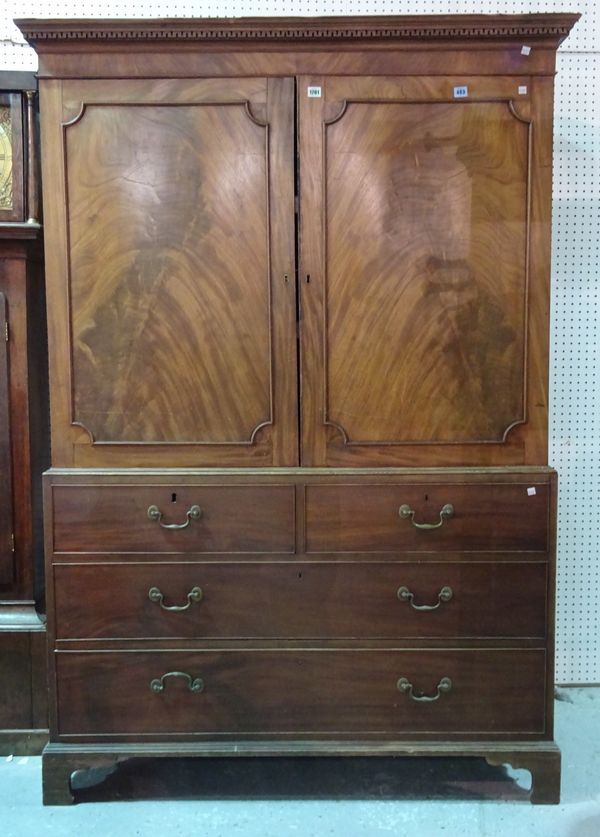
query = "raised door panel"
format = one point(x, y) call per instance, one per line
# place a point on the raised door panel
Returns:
point(6, 502)
point(416, 283)
point(179, 308)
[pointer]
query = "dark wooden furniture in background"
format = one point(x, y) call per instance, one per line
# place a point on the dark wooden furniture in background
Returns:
point(299, 410)
point(24, 442)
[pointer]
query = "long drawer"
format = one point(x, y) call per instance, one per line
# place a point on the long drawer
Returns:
point(300, 599)
point(305, 691)
point(427, 517)
point(140, 518)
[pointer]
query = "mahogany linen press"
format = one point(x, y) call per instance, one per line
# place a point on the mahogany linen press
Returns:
point(298, 298)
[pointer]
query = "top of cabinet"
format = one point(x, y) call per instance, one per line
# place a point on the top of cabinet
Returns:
point(550, 28)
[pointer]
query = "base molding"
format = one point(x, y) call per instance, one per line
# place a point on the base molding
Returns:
point(20, 616)
point(541, 759)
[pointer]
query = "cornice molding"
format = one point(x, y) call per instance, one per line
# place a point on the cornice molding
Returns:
point(553, 27)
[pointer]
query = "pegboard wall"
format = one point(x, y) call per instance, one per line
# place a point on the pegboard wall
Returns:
point(575, 356)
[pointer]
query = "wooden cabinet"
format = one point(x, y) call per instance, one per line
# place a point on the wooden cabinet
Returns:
point(23, 424)
point(298, 305)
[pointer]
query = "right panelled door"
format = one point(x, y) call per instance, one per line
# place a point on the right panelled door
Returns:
point(424, 270)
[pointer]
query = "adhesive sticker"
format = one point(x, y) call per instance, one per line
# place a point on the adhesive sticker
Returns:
point(531, 491)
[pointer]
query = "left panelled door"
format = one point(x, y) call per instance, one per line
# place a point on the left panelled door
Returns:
point(171, 278)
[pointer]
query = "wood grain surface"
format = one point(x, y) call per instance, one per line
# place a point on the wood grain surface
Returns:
point(315, 600)
point(169, 269)
point(15, 680)
point(250, 518)
point(277, 691)
point(365, 518)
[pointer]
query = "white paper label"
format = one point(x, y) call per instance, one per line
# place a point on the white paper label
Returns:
point(531, 491)
point(314, 92)
point(461, 92)
point(525, 50)
point(522, 90)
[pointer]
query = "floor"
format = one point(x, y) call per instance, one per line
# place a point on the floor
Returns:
point(321, 797)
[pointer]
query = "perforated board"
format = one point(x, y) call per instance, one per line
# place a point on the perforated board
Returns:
point(575, 355)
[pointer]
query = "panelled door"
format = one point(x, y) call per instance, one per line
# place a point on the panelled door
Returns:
point(6, 498)
point(423, 270)
point(171, 276)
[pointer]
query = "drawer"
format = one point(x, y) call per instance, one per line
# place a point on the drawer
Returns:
point(485, 516)
point(298, 600)
point(310, 692)
point(115, 518)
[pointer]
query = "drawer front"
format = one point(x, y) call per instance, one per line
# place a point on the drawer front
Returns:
point(366, 518)
point(115, 518)
point(310, 692)
point(299, 599)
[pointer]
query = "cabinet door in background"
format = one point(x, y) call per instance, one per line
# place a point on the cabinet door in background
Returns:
point(425, 267)
point(169, 206)
point(6, 499)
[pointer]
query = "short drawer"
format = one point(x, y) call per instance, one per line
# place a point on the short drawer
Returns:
point(409, 517)
point(316, 600)
point(339, 691)
point(210, 518)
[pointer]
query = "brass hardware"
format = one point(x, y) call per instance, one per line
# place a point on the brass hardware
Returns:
point(404, 685)
point(195, 595)
point(405, 595)
point(193, 513)
point(445, 512)
point(195, 685)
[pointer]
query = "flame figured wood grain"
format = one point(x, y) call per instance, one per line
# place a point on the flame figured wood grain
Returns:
point(420, 315)
point(176, 212)
point(425, 332)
